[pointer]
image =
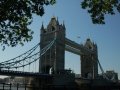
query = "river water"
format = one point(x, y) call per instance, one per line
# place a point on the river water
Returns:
point(7, 87)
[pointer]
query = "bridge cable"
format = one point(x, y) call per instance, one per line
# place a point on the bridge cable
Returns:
point(103, 73)
point(21, 54)
point(43, 51)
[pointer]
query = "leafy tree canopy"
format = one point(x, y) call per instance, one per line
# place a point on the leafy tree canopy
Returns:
point(98, 8)
point(16, 15)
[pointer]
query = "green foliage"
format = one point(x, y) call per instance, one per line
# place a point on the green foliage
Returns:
point(16, 16)
point(98, 8)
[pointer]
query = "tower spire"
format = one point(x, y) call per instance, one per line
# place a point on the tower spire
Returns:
point(57, 21)
point(64, 25)
point(42, 27)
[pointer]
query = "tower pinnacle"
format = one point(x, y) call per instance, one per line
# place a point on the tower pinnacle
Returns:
point(42, 27)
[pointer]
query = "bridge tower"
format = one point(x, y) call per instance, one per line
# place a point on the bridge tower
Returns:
point(89, 62)
point(53, 59)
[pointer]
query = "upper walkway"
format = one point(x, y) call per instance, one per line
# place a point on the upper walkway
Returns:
point(76, 48)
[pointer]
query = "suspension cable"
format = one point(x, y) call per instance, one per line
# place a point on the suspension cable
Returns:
point(103, 73)
point(14, 64)
point(22, 54)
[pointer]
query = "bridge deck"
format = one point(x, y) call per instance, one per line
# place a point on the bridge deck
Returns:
point(24, 74)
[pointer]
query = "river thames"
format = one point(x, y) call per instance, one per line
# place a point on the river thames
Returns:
point(8, 87)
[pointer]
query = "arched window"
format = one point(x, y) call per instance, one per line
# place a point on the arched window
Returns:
point(52, 28)
point(44, 31)
point(90, 47)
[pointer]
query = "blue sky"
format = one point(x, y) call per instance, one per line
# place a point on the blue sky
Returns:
point(78, 23)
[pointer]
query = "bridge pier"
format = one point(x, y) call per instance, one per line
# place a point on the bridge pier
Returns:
point(54, 57)
point(89, 62)
point(38, 83)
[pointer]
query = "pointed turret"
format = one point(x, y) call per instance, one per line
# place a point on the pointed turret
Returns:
point(57, 21)
point(53, 21)
point(42, 28)
point(64, 25)
point(89, 44)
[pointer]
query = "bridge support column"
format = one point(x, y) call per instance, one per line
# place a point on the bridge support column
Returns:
point(89, 61)
point(54, 57)
point(89, 66)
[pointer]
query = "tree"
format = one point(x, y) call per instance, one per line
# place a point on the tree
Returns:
point(99, 8)
point(16, 16)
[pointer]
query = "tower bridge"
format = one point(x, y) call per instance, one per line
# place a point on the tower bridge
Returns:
point(53, 43)
point(55, 57)
point(51, 57)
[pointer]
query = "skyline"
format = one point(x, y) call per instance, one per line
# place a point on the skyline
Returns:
point(78, 24)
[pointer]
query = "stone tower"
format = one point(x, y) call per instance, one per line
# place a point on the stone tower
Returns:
point(89, 62)
point(53, 59)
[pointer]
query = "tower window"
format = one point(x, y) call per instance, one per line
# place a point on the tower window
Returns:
point(44, 31)
point(90, 47)
point(53, 28)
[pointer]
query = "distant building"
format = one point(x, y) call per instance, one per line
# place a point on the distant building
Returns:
point(112, 75)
